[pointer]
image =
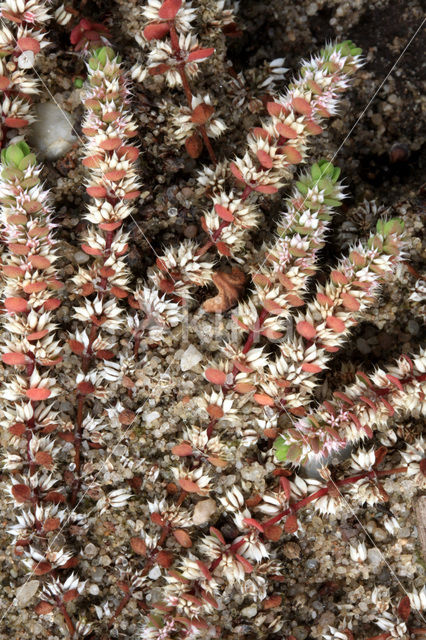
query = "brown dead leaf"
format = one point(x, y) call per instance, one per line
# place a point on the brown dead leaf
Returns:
point(230, 287)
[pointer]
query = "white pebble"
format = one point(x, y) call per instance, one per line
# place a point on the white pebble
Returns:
point(26, 592)
point(190, 358)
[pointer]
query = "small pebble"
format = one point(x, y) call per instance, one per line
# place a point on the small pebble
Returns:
point(93, 590)
point(203, 510)
point(26, 592)
point(190, 358)
point(80, 257)
point(90, 551)
point(413, 327)
point(52, 133)
point(152, 416)
point(291, 550)
point(249, 612)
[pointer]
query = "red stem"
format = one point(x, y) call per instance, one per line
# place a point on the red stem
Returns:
point(187, 90)
point(322, 492)
point(67, 619)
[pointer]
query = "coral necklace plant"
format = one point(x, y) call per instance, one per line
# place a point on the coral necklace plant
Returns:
point(113, 185)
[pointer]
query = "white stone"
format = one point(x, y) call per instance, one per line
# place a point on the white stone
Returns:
point(80, 257)
point(155, 573)
point(374, 557)
point(152, 416)
point(203, 510)
point(249, 612)
point(52, 133)
point(26, 60)
point(26, 592)
point(190, 358)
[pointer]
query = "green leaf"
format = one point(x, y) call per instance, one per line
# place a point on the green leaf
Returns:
point(316, 171)
point(14, 155)
point(281, 448)
point(303, 188)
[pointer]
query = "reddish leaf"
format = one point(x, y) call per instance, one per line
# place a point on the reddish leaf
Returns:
point(115, 175)
point(156, 31)
point(189, 486)
point(215, 376)
point(15, 123)
point(273, 307)
point(291, 525)
point(183, 449)
point(194, 145)
point(110, 144)
point(85, 387)
point(202, 113)
point(266, 188)
point(273, 532)
point(18, 429)
point(342, 396)
point(263, 399)
point(43, 608)
point(54, 496)
point(215, 532)
point(265, 159)
point(423, 466)
point(251, 522)
point(169, 9)
point(200, 54)
point(223, 248)
point(51, 304)
point(183, 538)
point(338, 277)
point(41, 568)
point(217, 462)
point(118, 292)
point(306, 329)
point(13, 272)
point(223, 213)
point(248, 568)
point(96, 192)
point(4, 83)
point(379, 455)
point(275, 108)
point(293, 155)
point(159, 69)
point(138, 545)
point(14, 358)
point(336, 324)
point(39, 262)
point(21, 492)
point(165, 559)
point(28, 44)
point(51, 524)
point(285, 131)
point(34, 287)
point(204, 569)
point(349, 302)
point(37, 394)
point(395, 381)
point(76, 347)
point(43, 458)
point(404, 608)
point(302, 106)
point(310, 367)
point(237, 173)
point(70, 595)
point(16, 305)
